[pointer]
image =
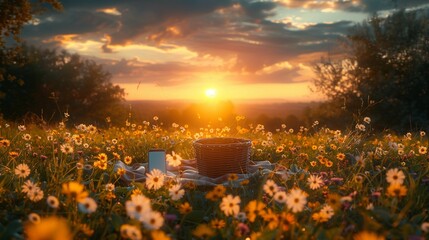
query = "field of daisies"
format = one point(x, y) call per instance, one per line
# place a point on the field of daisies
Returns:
point(63, 182)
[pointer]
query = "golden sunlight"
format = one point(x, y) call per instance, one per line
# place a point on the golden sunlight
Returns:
point(211, 93)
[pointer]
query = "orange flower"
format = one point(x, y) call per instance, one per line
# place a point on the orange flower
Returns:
point(128, 160)
point(75, 191)
point(217, 223)
point(203, 231)
point(329, 163)
point(253, 209)
point(185, 208)
point(341, 156)
point(102, 157)
point(396, 190)
point(286, 220)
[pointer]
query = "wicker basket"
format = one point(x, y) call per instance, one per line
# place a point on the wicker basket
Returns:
point(219, 156)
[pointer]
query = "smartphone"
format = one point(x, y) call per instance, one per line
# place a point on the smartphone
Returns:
point(156, 160)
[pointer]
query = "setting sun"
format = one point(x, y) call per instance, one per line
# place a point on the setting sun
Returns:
point(211, 93)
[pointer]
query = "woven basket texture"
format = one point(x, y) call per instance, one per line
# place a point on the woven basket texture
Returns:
point(219, 156)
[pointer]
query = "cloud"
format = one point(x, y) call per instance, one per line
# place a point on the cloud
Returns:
point(242, 38)
point(369, 6)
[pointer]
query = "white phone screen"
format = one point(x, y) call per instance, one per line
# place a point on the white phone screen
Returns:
point(157, 160)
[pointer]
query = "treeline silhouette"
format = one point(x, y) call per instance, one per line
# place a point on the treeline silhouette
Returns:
point(51, 86)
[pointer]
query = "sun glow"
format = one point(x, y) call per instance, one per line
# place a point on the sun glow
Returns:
point(211, 93)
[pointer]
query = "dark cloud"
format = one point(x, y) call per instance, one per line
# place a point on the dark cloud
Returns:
point(369, 6)
point(134, 71)
point(241, 30)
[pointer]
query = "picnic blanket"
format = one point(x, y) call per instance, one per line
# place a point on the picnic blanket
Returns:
point(188, 171)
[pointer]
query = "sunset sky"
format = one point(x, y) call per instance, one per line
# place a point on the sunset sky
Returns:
point(177, 49)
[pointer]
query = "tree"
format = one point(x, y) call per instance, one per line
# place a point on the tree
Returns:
point(15, 13)
point(385, 71)
point(49, 84)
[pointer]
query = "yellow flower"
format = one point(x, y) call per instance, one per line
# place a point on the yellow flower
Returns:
point(203, 231)
point(121, 171)
point(245, 182)
point(136, 192)
point(320, 217)
point(255, 236)
point(217, 193)
point(341, 156)
point(101, 165)
point(232, 177)
point(116, 155)
point(159, 235)
point(128, 160)
point(286, 220)
point(185, 208)
point(217, 223)
point(85, 229)
point(253, 209)
point(365, 235)
point(396, 190)
point(4, 143)
point(75, 191)
point(13, 154)
point(279, 149)
point(102, 157)
point(423, 150)
point(53, 227)
point(110, 196)
point(271, 218)
point(329, 163)
point(333, 200)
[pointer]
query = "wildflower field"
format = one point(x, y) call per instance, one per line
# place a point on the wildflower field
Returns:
point(62, 182)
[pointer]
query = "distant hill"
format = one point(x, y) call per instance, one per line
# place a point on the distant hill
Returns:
point(272, 109)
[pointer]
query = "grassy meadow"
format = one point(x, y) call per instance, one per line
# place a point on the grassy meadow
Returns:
point(60, 182)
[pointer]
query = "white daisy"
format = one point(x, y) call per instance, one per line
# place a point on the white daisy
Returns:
point(28, 186)
point(270, 187)
point(328, 211)
point(35, 195)
point(152, 220)
point(52, 201)
point(230, 205)
point(296, 200)
point(137, 206)
point(174, 159)
point(87, 205)
point(176, 192)
point(154, 179)
point(395, 175)
point(22, 170)
point(315, 182)
point(34, 218)
point(280, 197)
